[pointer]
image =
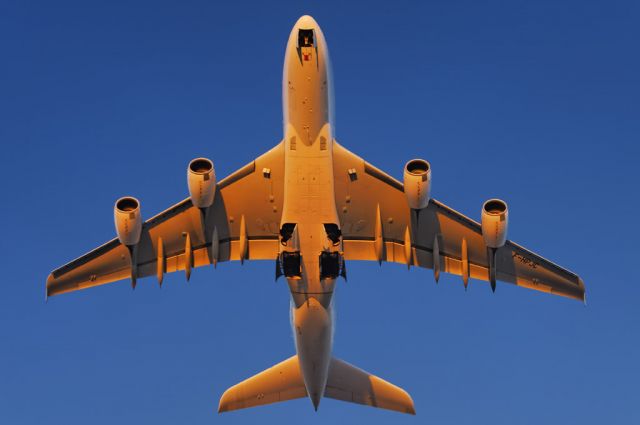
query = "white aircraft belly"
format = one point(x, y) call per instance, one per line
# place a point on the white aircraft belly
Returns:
point(309, 202)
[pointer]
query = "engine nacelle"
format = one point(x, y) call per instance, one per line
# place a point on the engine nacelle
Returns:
point(128, 220)
point(417, 183)
point(201, 178)
point(495, 221)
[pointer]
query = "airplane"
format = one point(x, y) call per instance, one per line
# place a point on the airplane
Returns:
point(310, 206)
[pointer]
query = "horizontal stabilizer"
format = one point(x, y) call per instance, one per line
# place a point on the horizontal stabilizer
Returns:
point(348, 383)
point(345, 382)
point(278, 383)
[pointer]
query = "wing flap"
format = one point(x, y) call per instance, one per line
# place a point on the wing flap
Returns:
point(116, 266)
point(259, 249)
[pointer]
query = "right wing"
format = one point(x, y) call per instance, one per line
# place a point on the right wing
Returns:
point(247, 202)
point(376, 220)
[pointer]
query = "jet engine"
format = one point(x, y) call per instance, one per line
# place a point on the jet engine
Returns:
point(201, 178)
point(417, 183)
point(495, 220)
point(128, 220)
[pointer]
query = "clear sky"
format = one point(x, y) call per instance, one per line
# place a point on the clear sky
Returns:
point(536, 102)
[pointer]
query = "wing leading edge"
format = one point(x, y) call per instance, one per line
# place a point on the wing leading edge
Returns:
point(242, 223)
point(377, 224)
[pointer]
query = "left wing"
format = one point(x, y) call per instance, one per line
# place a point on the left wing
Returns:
point(245, 215)
point(376, 219)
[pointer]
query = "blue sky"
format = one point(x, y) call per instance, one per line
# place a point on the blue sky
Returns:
point(534, 102)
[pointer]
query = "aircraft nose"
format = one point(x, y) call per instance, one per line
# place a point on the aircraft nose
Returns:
point(306, 22)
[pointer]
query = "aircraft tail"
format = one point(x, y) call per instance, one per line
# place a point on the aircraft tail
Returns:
point(345, 382)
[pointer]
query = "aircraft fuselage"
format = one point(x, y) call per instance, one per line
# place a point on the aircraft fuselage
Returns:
point(310, 224)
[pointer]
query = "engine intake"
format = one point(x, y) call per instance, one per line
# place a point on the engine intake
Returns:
point(495, 221)
point(417, 183)
point(128, 220)
point(201, 178)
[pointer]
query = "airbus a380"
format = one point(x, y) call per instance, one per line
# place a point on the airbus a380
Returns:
point(310, 205)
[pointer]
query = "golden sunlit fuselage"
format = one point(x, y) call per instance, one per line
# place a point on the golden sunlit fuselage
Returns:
point(309, 202)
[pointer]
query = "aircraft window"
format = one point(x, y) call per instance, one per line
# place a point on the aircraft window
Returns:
point(330, 265)
point(305, 38)
point(291, 264)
